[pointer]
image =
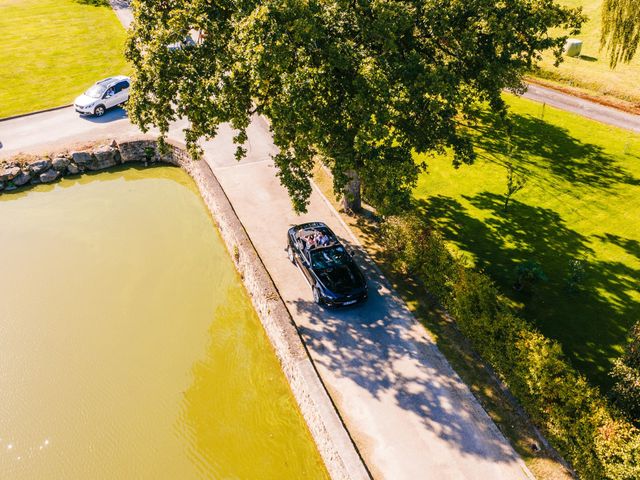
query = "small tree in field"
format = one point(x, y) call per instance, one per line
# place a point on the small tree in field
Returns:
point(516, 181)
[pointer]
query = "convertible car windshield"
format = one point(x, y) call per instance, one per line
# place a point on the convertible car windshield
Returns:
point(329, 257)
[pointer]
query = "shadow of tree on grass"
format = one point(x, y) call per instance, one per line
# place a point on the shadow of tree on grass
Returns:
point(556, 151)
point(592, 323)
point(94, 3)
point(630, 246)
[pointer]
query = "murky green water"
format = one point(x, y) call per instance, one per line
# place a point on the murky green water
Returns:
point(128, 347)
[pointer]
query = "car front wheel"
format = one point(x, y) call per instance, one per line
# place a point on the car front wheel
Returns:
point(99, 111)
point(290, 254)
point(316, 295)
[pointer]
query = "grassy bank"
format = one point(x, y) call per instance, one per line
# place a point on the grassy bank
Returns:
point(591, 71)
point(580, 203)
point(53, 50)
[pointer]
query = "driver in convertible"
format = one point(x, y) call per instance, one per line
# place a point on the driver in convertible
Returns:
point(323, 240)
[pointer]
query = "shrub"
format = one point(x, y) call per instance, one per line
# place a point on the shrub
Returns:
point(626, 375)
point(575, 276)
point(149, 152)
point(589, 432)
point(415, 249)
point(527, 275)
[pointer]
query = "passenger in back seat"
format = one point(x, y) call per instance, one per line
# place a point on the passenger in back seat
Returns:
point(312, 240)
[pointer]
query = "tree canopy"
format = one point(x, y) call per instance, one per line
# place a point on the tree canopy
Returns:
point(620, 29)
point(360, 84)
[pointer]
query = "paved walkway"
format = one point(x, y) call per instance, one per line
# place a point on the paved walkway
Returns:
point(123, 11)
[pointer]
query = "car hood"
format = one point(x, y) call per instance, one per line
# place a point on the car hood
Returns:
point(342, 280)
point(84, 101)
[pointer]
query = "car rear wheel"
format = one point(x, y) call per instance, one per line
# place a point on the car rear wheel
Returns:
point(316, 295)
point(290, 254)
point(99, 111)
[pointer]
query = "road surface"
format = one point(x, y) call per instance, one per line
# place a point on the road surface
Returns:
point(585, 108)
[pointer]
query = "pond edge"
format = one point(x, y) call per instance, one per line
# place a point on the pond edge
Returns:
point(333, 441)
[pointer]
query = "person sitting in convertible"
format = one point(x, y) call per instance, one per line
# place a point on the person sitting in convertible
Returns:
point(311, 241)
point(323, 240)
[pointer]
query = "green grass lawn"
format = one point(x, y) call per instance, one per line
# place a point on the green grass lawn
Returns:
point(592, 71)
point(582, 201)
point(52, 50)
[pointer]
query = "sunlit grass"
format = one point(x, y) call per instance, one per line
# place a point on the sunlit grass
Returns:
point(52, 50)
point(581, 202)
point(591, 71)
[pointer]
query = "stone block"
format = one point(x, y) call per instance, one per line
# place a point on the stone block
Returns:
point(73, 169)
point(9, 173)
point(40, 166)
point(137, 151)
point(22, 179)
point(81, 158)
point(103, 157)
point(60, 163)
point(49, 176)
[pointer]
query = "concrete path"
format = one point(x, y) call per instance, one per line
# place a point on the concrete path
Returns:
point(409, 414)
point(123, 11)
point(585, 108)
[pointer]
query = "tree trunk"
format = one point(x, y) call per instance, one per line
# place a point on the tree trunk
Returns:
point(351, 197)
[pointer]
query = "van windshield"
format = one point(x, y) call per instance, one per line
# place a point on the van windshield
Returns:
point(96, 91)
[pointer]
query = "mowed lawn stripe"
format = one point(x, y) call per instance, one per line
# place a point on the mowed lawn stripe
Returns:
point(53, 50)
point(581, 202)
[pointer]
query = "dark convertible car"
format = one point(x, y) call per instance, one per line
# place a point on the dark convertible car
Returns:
point(333, 275)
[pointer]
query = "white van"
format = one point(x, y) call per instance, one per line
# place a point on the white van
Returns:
point(103, 95)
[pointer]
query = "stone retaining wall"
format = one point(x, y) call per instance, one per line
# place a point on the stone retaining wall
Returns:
point(22, 171)
point(332, 439)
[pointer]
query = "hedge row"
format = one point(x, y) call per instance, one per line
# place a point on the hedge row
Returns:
point(578, 421)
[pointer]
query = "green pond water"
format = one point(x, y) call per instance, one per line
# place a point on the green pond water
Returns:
point(128, 346)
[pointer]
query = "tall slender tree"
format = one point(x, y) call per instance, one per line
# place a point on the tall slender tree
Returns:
point(361, 84)
point(620, 30)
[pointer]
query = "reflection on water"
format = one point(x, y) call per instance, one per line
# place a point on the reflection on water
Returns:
point(128, 348)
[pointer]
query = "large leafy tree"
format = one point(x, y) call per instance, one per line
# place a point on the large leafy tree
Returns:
point(620, 29)
point(360, 84)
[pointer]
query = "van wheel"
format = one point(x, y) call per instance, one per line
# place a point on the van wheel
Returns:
point(99, 111)
point(290, 254)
